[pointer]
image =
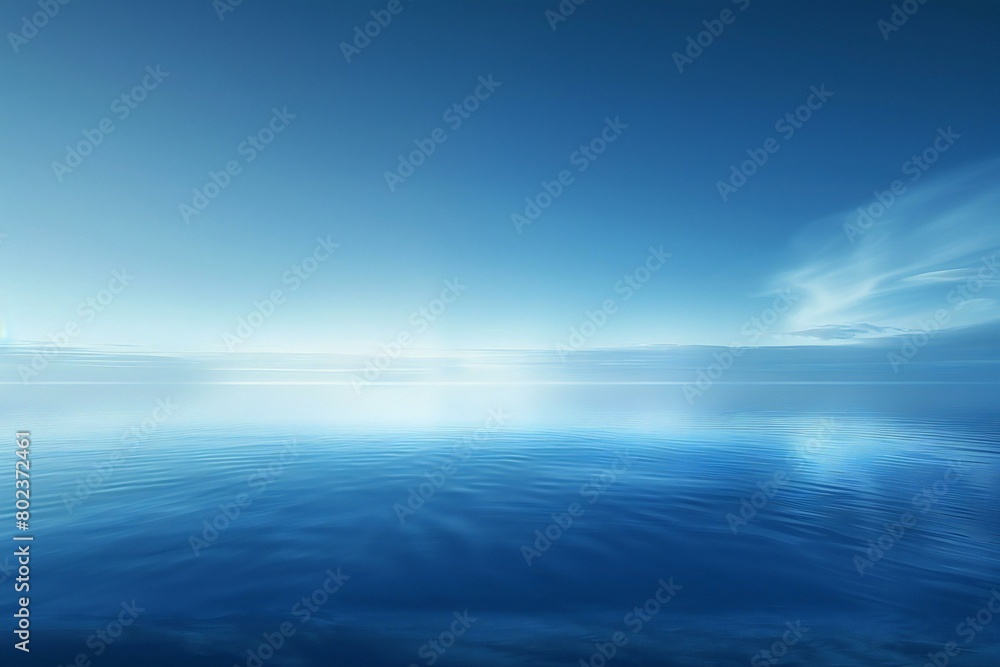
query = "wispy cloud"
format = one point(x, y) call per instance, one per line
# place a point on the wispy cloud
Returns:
point(848, 332)
point(935, 248)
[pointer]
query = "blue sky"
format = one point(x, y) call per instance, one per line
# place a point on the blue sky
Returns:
point(656, 184)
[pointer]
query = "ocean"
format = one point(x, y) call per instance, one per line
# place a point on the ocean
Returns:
point(643, 536)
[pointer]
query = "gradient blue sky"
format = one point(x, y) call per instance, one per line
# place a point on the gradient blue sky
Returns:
point(656, 185)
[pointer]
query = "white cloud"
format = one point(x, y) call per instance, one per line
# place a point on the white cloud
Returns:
point(936, 247)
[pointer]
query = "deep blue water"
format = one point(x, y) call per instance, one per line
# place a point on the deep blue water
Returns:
point(652, 509)
point(823, 519)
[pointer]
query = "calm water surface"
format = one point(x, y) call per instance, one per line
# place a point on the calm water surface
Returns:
point(833, 539)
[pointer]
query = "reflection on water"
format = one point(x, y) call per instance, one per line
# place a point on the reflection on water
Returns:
point(878, 536)
point(598, 517)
